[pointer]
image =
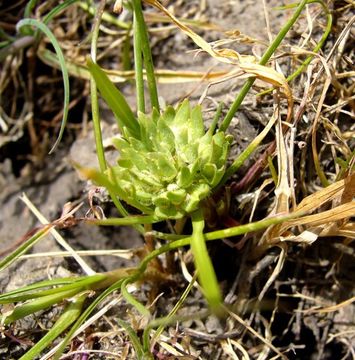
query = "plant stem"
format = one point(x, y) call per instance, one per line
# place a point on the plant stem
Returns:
point(265, 58)
point(93, 93)
point(126, 220)
point(147, 55)
point(203, 263)
point(138, 65)
point(319, 45)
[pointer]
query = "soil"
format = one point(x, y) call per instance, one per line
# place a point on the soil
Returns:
point(317, 274)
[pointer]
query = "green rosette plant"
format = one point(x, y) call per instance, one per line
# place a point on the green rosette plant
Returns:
point(172, 165)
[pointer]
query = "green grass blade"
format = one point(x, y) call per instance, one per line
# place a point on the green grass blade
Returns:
point(321, 41)
point(100, 152)
point(70, 314)
point(29, 7)
point(316, 49)
point(57, 9)
point(85, 315)
point(131, 300)
point(265, 58)
point(87, 282)
point(147, 55)
point(129, 220)
point(115, 100)
point(138, 348)
point(203, 263)
point(105, 17)
point(41, 26)
point(168, 318)
point(22, 249)
point(39, 285)
point(138, 65)
point(38, 304)
point(239, 161)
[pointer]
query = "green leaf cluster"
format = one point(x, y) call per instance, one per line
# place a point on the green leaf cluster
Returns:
point(172, 165)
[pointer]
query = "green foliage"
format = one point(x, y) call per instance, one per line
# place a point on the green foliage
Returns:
point(114, 99)
point(173, 165)
point(41, 26)
point(167, 164)
point(70, 314)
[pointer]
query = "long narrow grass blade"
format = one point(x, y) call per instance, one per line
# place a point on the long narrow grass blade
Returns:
point(41, 26)
point(131, 300)
point(84, 316)
point(100, 153)
point(265, 58)
point(57, 9)
point(29, 7)
point(70, 314)
point(203, 263)
point(22, 249)
point(239, 161)
point(7, 297)
point(319, 45)
point(129, 220)
point(27, 293)
point(116, 300)
point(115, 100)
point(147, 55)
point(138, 348)
point(138, 65)
point(41, 303)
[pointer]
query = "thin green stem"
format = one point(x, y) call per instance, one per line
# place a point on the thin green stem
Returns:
point(128, 220)
point(138, 65)
point(320, 43)
point(39, 304)
point(41, 26)
point(212, 128)
point(85, 315)
point(86, 282)
point(29, 7)
point(183, 240)
point(70, 314)
point(325, 35)
point(203, 263)
point(93, 92)
point(138, 348)
point(100, 153)
point(131, 300)
point(167, 319)
point(265, 58)
point(106, 16)
point(147, 55)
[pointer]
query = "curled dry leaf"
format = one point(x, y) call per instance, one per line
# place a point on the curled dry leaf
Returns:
point(333, 222)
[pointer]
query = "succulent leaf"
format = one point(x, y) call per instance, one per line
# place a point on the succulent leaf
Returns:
point(173, 165)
